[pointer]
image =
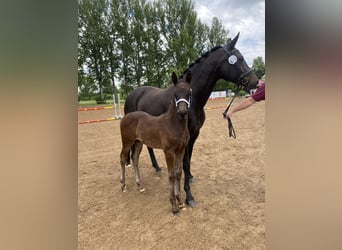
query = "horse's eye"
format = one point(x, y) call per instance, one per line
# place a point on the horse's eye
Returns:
point(244, 81)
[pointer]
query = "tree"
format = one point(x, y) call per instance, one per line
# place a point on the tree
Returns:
point(92, 40)
point(259, 67)
point(217, 33)
point(201, 42)
point(178, 27)
point(138, 42)
point(111, 51)
point(224, 85)
point(86, 89)
point(138, 29)
point(155, 63)
point(123, 15)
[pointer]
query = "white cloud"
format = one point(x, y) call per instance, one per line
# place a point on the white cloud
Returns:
point(204, 13)
point(244, 16)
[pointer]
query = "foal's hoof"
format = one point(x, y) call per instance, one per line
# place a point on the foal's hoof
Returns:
point(128, 165)
point(124, 188)
point(191, 203)
point(176, 212)
point(142, 189)
point(182, 206)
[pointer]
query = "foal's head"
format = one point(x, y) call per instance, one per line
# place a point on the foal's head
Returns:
point(182, 94)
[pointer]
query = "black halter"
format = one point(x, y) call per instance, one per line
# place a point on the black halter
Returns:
point(232, 59)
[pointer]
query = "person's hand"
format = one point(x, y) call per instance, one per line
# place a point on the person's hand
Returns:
point(228, 114)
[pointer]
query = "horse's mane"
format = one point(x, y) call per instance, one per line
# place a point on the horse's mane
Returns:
point(199, 59)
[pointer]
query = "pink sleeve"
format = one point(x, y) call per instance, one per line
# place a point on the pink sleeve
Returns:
point(259, 94)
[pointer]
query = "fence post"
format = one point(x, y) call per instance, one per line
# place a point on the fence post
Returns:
point(119, 104)
point(114, 106)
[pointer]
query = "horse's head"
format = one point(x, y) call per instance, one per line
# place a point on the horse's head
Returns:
point(235, 68)
point(182, 94)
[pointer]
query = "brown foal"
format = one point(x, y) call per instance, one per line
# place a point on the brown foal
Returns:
point(168, 132)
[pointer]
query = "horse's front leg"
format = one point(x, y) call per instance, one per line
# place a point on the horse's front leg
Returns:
point(154, 160)
point(190, 149)
point(190, 200)
point(170, 160)
point(186, 168)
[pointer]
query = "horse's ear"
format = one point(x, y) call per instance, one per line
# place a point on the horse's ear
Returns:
point(174, 78)
point(231, 43)
point(188, 76)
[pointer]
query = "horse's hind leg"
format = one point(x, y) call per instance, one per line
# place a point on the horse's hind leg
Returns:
point(154, 160)
point(135, 157)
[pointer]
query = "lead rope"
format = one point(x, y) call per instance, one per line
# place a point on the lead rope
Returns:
point(230, 124)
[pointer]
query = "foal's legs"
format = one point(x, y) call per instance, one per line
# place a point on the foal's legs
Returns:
point(170, 160)
point(178, 168)
point(123, 160)
point(128, 162)
point(135, 158)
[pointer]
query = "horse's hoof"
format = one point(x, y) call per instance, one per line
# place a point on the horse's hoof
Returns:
point(141, 190)
point(124, 188)
point(159, 173)
point(192, 180)
point(191, 203)
point(128, 165)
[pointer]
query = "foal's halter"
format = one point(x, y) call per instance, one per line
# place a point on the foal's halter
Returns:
point(183, 100)
point(188, 102)
point(232, 59)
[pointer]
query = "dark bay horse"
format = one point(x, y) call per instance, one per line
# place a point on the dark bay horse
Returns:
point(168, 131)
point(221, 62)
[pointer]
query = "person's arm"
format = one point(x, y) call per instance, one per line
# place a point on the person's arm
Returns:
point(242, 105)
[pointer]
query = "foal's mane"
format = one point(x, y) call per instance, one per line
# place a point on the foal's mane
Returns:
point(199, 59)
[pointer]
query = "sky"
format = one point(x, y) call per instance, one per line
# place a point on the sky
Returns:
point(244, 16)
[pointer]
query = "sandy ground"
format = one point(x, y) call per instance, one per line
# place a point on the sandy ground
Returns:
point(229, 188)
